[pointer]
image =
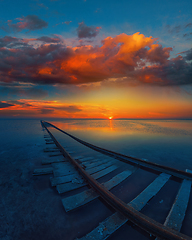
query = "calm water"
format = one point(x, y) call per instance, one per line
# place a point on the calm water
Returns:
point(30, 209)
point(166, 142)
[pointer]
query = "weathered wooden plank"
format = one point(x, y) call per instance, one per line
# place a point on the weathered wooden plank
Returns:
point(65, 179)
point(55, 155)
point(68, 178)
point(84, 159)
point(115, 221)
point(75, 201)
point(55, 160)
point(104, 172)
point(47, 150)
point(62, 166)
point(176, 215)
point(52, 148)
point(77, 157)
point(88, 161)
point(65, 170)
point(62, 188)
point(93, 159)
point(42, 171)
point(49, 143)
point(98, 163)
point(141, 200)
point(99, 168)
point(62, 171)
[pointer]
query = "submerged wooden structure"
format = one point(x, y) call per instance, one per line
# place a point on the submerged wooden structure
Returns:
point(74, 171)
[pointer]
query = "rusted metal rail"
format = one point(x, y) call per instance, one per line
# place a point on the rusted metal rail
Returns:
point(129, 159)
point(142, 221)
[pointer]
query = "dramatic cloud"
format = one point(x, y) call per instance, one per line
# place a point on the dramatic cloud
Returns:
point(174, 72)
point(5, 104)
point(30, 22)
point(84, 31)
point(11, 42)
point(135, 57)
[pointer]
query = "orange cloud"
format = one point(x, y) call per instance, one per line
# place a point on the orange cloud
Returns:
point(37, 108)
point(123, 56)
point(117, 57)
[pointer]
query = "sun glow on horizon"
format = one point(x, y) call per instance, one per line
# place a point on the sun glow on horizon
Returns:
point(110, 118)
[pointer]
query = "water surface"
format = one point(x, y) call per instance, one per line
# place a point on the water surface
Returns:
point(167, 142)
point(31, 209)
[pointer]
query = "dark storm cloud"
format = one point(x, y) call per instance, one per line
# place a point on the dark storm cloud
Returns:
point(5, 105)
point(30, 22)
point(83, 31)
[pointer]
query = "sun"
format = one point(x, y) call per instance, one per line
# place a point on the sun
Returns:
point(110, 118)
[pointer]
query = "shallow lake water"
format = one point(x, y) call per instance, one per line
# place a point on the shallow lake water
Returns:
point(31, 209)
point(167, 142)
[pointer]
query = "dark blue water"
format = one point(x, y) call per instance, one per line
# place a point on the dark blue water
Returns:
point(165, 142)
point(31, 209)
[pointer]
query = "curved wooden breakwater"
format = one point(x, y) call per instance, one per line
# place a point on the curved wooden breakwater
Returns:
point(74, 171)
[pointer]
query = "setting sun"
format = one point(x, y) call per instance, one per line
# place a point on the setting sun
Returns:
point(110, 118)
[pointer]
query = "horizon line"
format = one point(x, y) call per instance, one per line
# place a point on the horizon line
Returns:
point(38, 118)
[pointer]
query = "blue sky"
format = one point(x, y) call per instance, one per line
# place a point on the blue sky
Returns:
point(82, 52)
point(147, 17)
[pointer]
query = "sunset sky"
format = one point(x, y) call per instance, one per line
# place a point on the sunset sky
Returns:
point(96, 59)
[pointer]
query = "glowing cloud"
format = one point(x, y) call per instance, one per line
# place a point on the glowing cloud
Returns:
point(132, 57)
